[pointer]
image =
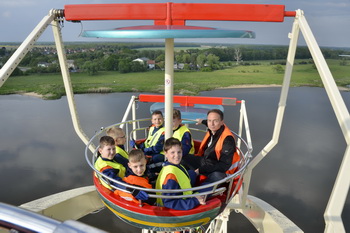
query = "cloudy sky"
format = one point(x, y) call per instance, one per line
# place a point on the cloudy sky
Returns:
point(329, 21)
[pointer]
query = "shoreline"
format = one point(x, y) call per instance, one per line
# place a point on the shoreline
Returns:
point(34, 94)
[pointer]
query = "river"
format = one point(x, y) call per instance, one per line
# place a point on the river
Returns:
point(40, 154)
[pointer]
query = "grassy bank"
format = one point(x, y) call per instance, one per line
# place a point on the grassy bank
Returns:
point(189, 83)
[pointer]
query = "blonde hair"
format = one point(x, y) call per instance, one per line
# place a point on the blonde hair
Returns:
point(114, 132)
point(136, 156)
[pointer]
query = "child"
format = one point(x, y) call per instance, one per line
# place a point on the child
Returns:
point(118, 135)
point(137, 176)
point(174, 176)
point(153, 145)
point(182, 133)
point(106, 164)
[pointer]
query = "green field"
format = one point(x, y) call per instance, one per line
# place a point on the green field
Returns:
point(188, 83)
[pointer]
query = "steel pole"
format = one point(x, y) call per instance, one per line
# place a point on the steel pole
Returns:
point(169, 86)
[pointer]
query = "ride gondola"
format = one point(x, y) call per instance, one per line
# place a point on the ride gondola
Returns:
point(157, 218)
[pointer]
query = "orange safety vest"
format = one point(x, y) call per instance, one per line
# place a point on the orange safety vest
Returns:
point(218, 148)
point(134, 180)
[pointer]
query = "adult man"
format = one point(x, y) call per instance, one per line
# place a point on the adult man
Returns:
point(217, 150)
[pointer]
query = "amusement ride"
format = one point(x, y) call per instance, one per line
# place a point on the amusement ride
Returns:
point(223, 197)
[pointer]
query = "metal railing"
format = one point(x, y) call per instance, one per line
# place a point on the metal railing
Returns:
point(214, 188)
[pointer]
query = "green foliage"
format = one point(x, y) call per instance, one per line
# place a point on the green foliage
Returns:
point(90, 67)
point(206, 69)
point(110, 63)
point(124, 65)
point(138, 67)
point(278, 68)
point(201, 60)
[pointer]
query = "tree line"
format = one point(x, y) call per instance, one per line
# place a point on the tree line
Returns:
point(92, 58)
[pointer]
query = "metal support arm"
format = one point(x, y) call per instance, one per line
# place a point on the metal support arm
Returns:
point(25, 47)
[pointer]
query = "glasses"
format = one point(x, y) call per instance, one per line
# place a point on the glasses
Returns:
point(122, 137)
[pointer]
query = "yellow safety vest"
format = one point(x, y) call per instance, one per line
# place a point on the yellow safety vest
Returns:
point(122, 152)
point(153, 139)
point(181, 177)
point(179, 133)
point(101, 165)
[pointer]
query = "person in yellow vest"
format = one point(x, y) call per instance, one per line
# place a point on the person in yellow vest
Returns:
point(181, 132)
point(216, 157)
point(153, 145)
point(119, 137)
point(106, 165)
point(174, 176)
point(137, 176)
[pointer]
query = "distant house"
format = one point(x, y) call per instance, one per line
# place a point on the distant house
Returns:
point(43, 64)
point(144, 60)
point(70, 64)
point(151, 64)
point(179, 66)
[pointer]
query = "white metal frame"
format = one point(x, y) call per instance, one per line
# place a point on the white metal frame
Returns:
point(339, 193)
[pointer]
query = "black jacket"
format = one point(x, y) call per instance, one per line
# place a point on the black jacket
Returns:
point(210, 163)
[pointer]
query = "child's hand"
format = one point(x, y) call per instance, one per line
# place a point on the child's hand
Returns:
point(201, 199)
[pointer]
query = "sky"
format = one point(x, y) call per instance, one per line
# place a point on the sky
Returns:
point(329, 21)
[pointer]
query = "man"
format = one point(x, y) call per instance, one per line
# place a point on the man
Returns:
point(216, 157)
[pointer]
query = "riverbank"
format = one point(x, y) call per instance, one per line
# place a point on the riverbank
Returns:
point(50, 86)
point(33, 94)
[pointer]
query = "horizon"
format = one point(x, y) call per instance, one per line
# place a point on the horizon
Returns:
point(6, 43)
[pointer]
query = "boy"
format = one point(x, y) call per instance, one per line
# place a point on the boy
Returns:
point(118, 135)
point(153, 145)
point(182, 133)
point(174, 176)
point(137, 175)
point(106, 164)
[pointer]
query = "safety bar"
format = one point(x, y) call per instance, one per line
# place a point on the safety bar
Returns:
point(215, 189)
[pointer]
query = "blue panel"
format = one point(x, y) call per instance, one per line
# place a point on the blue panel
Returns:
point(198, 111)
point(159, 32)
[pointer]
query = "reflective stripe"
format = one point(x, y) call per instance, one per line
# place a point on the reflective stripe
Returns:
point(233, 166)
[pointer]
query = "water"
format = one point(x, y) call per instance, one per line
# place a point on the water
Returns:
point(40, 153)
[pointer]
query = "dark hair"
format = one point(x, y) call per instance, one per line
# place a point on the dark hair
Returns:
point(170, 142)
point(176, 114)
point(106, 141)
point(218, 111)
point(157, 112)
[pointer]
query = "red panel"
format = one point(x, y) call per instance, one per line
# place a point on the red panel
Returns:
point(153, 210)
point(230, 12)
point(142, 11)
point(177, 13)
point(190, 100)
